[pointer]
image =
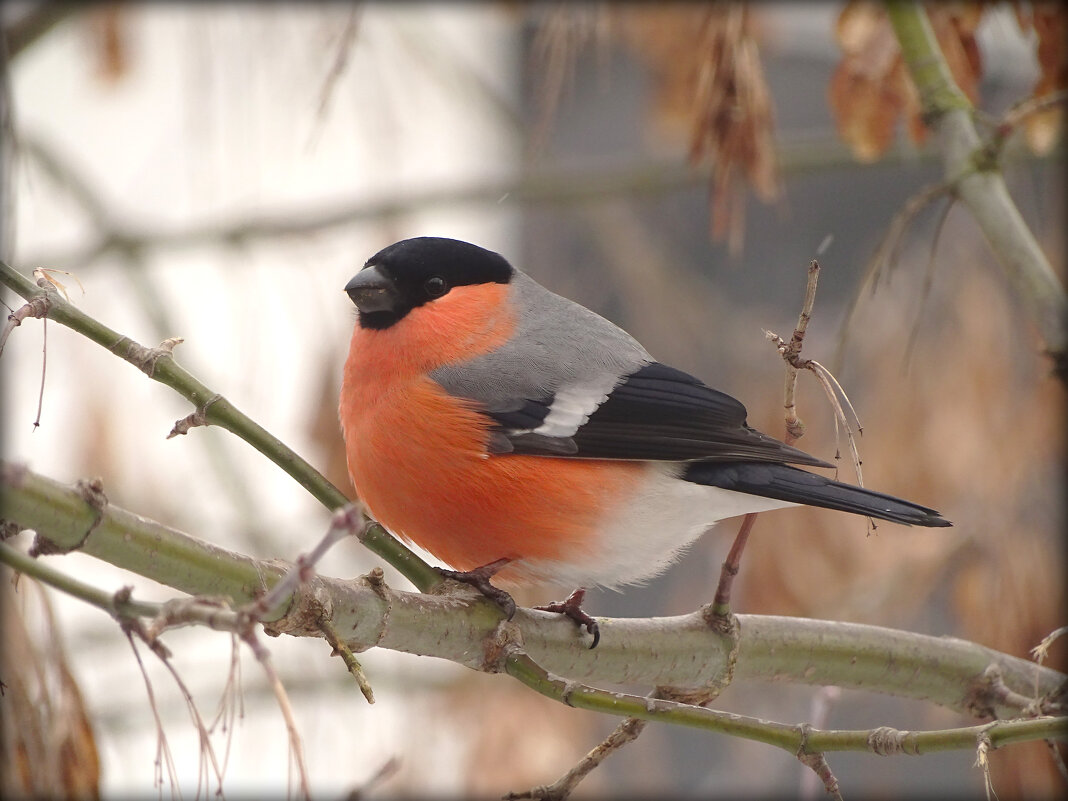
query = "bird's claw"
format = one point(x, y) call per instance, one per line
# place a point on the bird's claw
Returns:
point(479, 579)
point(572, 607)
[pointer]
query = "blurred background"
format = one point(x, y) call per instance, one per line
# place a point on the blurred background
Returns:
point(219, 171)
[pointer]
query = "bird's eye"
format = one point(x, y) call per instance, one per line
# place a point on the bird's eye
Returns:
point(435, 286)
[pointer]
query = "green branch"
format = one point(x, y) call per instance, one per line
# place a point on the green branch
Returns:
point(979, 184)
point(791, 738)
point(213, 409)
point(112, 603)
point(678, 651)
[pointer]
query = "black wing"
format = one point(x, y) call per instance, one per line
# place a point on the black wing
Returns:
point(656, 413)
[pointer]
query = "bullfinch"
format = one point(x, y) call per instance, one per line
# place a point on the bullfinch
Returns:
point(493, 422)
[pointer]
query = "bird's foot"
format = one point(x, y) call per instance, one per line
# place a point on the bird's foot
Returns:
point(479, 578)
point(572, 608)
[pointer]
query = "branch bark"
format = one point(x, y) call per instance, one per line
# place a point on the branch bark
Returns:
point(459, 625)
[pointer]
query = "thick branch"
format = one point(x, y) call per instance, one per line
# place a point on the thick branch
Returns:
point(678, 651)
point(979, 184)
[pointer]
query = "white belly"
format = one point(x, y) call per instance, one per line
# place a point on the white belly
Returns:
point(651, 530)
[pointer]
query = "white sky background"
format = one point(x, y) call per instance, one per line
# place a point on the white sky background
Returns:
point(217, 118)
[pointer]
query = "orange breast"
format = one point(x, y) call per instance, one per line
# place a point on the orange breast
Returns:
point(417, 456)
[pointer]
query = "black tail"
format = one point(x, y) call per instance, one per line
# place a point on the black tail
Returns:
point(786, 483)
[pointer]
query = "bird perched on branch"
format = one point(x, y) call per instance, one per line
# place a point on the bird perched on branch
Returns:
point(514, 433)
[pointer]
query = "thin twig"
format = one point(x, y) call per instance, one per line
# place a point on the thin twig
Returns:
point(817, 763)
point(819, 711)
point(1012, 119)
point(795, 428)
point(886, 255)
point(928, 276)
point(296, 745)
point(721, 604)
point(625, 732)
point(37, 307)
point(982, 761)
point(163, 749)
point(348, 521)
point(1058, 760)
point(44, 372)
point(337, 68)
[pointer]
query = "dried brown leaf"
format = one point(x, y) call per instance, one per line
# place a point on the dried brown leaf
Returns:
point(667, 38)
point(49, 745)
point(1050, 23)
point(870, 90)
point(867, 94)
point(562, 33)
point(954, 25)
point(733, 120)
point(709, 81)
point(109, 38)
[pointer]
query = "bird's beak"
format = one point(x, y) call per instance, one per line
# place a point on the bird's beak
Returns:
point(372, 291)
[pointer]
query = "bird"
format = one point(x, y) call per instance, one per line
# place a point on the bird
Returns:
point(517, 435)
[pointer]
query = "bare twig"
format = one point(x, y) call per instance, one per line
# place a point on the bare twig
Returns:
point(349, 658)
point(35, 307)
point(721, 605)
point(1041, 651)
point(820, 708)
point(818, 764)
point(1016, 115)
point(1058, 760)
point(349, 521)
point(163, 749)
point(386, 771)
point(928, 276)
point(795, 428)
point(625, 732)
point(561, 34)
point(679, 651)
point(231, 701)
point(296, 745)
point(337, 66)
point(886, 254)
point(839, 401)
point(982, 761)
point(836, 395)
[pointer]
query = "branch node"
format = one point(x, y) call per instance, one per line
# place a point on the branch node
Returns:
point(724, 625)
point(9, 529)
point(37, 307)
point(144, 359)
point(376, 580)
point(194, 419)
point(505, 639)
point(92, 492)
point(568, 690)
point(818, 764)
point(888, 741)
point(988, 690)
